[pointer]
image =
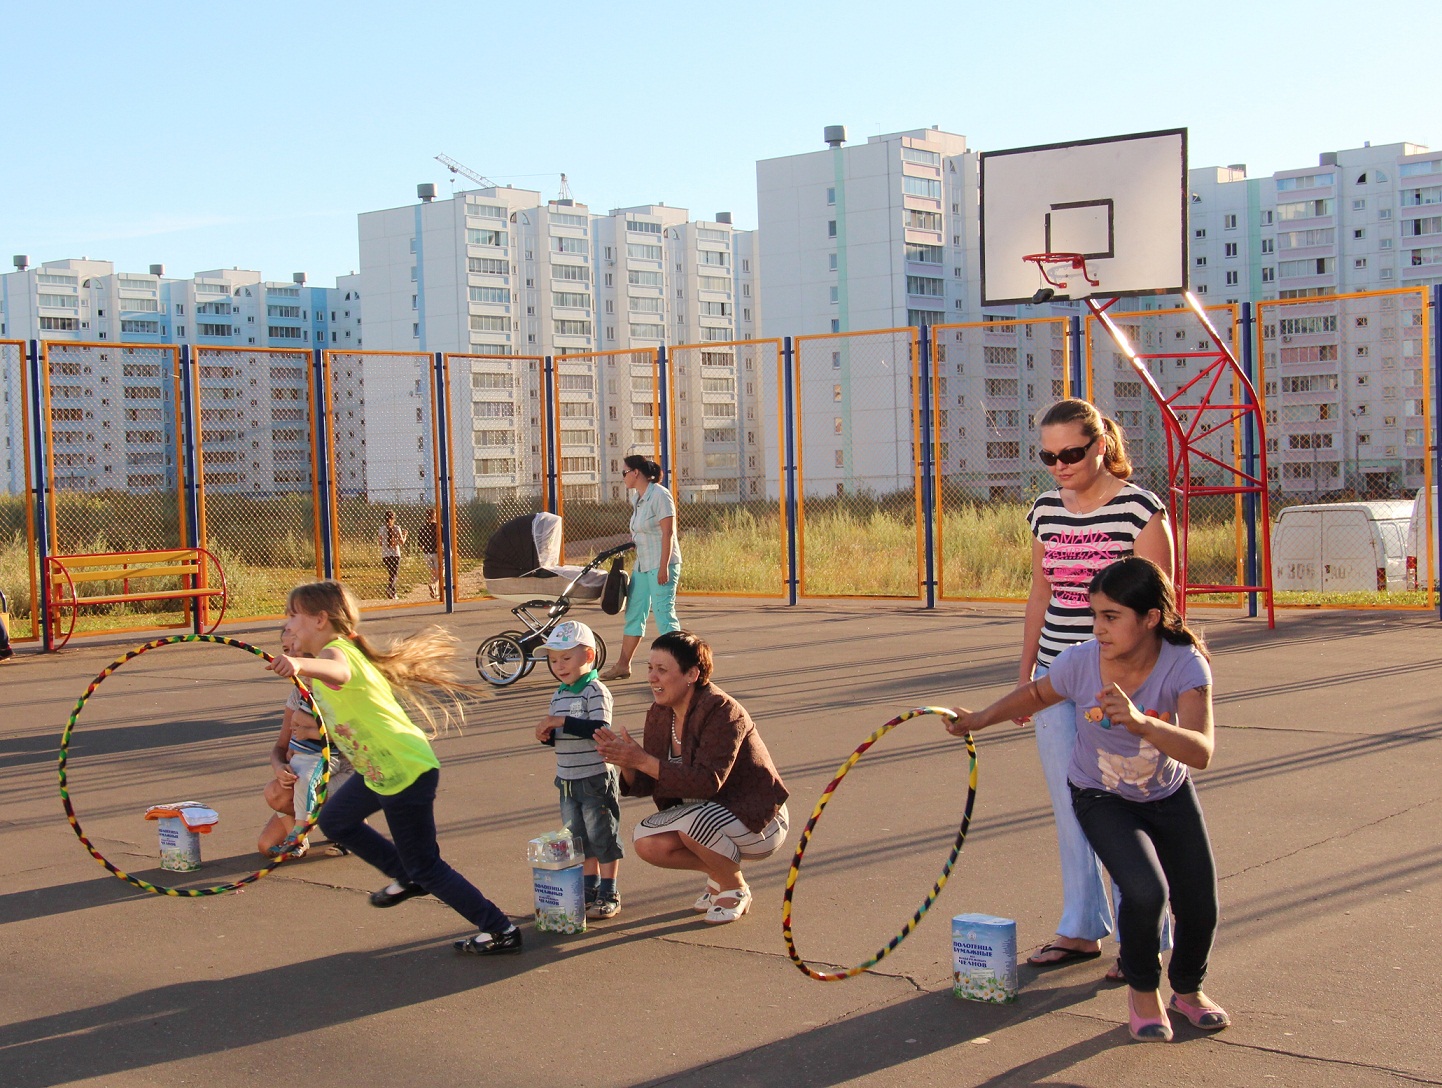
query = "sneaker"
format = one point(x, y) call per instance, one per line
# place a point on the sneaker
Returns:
point(604, 908)
point(483, 944)
point(6, 653)
point(336, 850)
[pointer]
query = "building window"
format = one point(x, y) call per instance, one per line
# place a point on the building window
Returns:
point(831, 195)
point(831, 228)
point(1229, 222)
point(1229, 250)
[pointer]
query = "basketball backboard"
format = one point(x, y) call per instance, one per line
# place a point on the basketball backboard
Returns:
point(1120, 201)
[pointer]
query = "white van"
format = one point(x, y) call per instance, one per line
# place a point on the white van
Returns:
point(1418, 540)
point(1341, 547)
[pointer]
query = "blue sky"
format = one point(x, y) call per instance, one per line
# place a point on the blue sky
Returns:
point(251, 134)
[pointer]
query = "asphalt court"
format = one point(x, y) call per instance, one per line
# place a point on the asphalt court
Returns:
point(1324, 803)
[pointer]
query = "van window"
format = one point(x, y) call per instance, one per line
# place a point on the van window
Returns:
point(1391, 536)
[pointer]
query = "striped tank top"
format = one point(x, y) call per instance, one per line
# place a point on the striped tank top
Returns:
point(1074, 548)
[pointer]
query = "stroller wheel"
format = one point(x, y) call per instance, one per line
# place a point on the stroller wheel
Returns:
point(600, 662)
point(529, 645)
point(501, 661)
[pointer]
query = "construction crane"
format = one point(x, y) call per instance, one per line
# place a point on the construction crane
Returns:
point(464, 170)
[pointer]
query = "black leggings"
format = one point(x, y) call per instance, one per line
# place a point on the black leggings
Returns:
point(1156, 850)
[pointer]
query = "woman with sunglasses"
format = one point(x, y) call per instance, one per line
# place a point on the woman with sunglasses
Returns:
point(1093, 518)
point(658, 561)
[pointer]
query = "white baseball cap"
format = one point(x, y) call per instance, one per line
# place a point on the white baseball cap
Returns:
point(569, 635)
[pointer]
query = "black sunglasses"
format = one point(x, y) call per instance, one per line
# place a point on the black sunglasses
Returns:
point(1069, 456)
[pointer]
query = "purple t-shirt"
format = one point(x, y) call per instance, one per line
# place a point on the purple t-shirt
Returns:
point(1111, 757)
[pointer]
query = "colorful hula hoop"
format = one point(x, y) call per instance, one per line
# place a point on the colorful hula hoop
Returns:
point(283, 849)
point(882, 952)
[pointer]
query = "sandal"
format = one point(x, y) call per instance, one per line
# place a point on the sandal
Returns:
point(1114, 972)
point(704, 900)
point(1068, 955)
point(1205, 1017)
point(719, 915)
point(615, 673)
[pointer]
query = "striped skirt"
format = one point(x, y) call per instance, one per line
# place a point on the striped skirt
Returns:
point(715, 828)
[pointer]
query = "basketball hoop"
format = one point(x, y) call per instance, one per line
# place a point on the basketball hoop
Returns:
point(1058, 269)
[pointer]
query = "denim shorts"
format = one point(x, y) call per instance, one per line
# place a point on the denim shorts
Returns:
point(591, 810)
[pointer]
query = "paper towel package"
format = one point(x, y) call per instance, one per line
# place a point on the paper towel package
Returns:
point(983, 958)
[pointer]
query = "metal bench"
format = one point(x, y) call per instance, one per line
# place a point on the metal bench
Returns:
point(202, 585)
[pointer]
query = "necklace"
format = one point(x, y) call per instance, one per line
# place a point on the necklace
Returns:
point(675, 740)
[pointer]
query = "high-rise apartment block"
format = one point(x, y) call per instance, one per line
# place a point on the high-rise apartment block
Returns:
point(113, 409)
point(885, 233)
point(502, 275)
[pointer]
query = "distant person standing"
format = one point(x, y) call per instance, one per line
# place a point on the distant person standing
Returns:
point(430, 546)
point(392, 538)
point(658, 561)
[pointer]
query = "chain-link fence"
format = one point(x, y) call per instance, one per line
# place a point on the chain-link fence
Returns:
point(726, 468)
point(1215, 527)
point(19, 573)
point(384, 471)
point(990, 380)
point(499, 433)
point(114, 461)
point(858, 442)
point(607, 406)
point(1347, 390)
point(255, 434)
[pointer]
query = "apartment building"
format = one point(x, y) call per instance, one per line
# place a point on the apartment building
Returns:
point(502, 279)
point(114, 409)
point(884, 234)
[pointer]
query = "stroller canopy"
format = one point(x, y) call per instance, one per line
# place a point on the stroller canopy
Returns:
point(523, 545)
point(523, 560)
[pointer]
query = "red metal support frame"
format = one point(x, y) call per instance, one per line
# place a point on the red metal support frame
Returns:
point(1195, 412)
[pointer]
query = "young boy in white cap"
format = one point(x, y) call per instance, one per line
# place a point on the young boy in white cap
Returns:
point(590, 787)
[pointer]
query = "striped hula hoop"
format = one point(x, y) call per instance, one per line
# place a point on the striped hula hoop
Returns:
point(283, 850)
point(890, 946)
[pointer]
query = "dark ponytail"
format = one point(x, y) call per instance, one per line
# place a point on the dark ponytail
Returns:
point(1140, 585)
point(645, 466)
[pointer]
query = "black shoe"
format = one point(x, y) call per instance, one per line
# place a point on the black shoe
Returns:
point(6, 653)
point(483, 944)
point(386, 898)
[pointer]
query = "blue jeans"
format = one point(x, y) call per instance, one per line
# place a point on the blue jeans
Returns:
point(591, 811)
point(414, 857)
point(1157, 851)
point(1086, 910)
point(647, 595)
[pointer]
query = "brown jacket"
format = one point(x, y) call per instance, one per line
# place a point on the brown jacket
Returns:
point(723, 759)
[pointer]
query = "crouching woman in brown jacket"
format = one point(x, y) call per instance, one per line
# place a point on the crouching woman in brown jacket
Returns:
point(719, 798)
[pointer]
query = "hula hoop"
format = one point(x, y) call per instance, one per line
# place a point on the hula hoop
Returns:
point(284, 848)
point(890, 946)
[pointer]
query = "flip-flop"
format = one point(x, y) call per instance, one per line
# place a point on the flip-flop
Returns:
point(1068, 955)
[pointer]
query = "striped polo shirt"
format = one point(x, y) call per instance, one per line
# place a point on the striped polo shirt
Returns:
point(576, 755)
point(1074, 548)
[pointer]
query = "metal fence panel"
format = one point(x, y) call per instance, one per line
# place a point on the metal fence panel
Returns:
point(726, 466)
point(255, 434)
point(19, 571)
point(989, 381)
point(607, 406)
point(383, 457)
point(499, 433)
point(1346, 384)
point(858, 443)
point(114, 462)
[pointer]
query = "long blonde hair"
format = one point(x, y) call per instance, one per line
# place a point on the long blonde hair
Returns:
point(414, 666)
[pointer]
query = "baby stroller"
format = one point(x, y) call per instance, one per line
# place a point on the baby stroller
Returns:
point(522, 565)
